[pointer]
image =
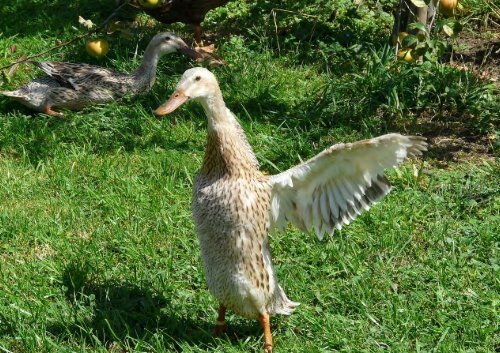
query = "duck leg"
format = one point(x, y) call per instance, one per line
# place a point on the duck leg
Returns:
point(48, 110)
point(220, 323)
point(197, 34)
point(205, 52)
point(265, 322)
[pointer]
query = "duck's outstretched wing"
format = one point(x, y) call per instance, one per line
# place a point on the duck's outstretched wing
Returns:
point(332, 188)
point(70, 75)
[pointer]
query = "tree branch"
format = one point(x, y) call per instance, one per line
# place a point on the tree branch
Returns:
point(95, 30)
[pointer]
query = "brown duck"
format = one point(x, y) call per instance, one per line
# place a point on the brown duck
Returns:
point(187, 11)
point(75, 86)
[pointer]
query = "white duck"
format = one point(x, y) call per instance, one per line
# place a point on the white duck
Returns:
point(235, 206)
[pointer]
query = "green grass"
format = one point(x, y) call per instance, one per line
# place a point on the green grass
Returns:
point(97, 247)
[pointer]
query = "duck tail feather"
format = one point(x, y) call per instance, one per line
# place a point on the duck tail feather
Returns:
point(282, 305)
point(12, 94)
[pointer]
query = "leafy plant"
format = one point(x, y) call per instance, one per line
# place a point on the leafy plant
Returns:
point(426, 40)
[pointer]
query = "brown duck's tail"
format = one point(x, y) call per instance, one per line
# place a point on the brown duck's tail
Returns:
point(12, 94)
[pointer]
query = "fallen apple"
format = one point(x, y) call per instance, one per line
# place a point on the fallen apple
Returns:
point(400, 38)
point(406, 55)
point(97, 47)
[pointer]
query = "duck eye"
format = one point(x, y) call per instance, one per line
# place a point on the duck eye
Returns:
point(167, 38)
point(197, 78)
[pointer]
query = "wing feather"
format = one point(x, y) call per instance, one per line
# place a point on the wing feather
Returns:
point(341, 202)
point(72, 75)
point(331, 189)
point(316, 215)
point(325, 212)
point(334, 206)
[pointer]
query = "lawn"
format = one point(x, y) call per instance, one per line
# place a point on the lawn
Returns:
point(97, 246)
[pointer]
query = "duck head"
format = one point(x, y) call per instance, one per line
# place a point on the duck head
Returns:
point(168, 42)
point(197, 83)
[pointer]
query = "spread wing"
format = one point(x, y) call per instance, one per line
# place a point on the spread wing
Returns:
point(332, 188)
point(72, 75)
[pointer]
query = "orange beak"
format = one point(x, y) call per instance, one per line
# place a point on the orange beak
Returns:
point(193, 54)
point(174, 102)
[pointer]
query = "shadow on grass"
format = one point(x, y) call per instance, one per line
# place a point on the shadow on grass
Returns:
point(53, 16)
point(53, 21)
point(121, 311)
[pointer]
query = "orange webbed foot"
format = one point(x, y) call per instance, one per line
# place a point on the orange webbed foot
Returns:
point(219, 329)
point(220, 323)
point(48, 110)
point(265, 322)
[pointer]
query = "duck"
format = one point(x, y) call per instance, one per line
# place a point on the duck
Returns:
point(187, 11)
point(77, 85)
point(236, 207)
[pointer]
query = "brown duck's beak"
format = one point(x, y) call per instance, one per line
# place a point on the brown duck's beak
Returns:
point(175, 101)
point(193, 54)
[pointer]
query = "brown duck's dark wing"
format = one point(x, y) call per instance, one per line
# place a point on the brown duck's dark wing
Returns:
point(118, 83)
point(69, 73)
point(186, 11)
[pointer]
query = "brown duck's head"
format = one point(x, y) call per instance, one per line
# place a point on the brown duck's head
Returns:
point(195, 83)
point(168, 42)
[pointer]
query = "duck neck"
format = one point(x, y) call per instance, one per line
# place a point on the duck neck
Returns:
point(228, 151)
point(145, 75)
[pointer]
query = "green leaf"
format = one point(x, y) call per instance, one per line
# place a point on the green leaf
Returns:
point(420, 50)
point(409, 41)
point(457, 27)
point(439, 24)
point(448, 30)
point(422, 46)
point(418, 25)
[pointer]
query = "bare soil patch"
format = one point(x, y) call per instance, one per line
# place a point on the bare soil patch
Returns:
point(479, 51)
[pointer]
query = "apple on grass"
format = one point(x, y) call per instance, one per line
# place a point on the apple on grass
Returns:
point(97, 47)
